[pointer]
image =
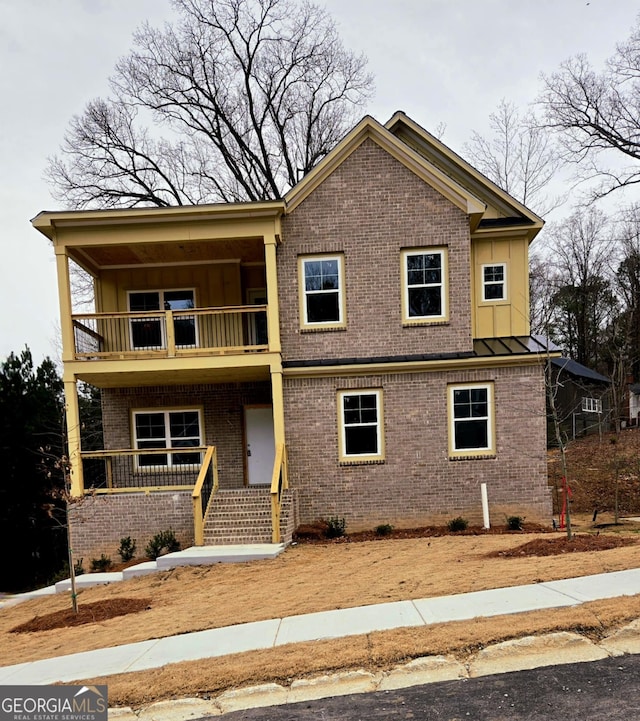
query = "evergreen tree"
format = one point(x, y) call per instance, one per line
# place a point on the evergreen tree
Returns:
point(31, 484)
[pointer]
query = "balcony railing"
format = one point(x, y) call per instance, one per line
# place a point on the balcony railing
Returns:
point(149, 470)
point(170, 333)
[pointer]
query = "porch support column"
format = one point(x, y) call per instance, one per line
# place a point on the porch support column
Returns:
point(273, 315)
point(64, 295)
point(277, 399)
point(73, 436)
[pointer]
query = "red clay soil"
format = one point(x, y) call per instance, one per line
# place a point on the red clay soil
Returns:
point(557, 546)
point(596, 467)
point(87, 613)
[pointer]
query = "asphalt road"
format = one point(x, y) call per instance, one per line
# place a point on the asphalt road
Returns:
point(606, 690)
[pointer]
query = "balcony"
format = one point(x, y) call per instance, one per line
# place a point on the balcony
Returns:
point(170, 333)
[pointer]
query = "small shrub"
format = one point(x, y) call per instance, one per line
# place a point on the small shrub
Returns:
point(127, 548)
point(163, 542)
point(514, 523)
point(458, 524)
point(63, 573)
point(101, 564)
point(336, 527)
point(384, 529)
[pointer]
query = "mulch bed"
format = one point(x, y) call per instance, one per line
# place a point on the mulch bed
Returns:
point(558, 546)
point(87, 613)
point(423, 532)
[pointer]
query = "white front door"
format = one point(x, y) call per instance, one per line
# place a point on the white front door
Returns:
point(261, 449)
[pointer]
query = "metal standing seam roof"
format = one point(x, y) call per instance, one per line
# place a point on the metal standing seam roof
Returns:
point(513, 345)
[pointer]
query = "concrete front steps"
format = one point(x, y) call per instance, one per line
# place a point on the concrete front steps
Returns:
point(243, 516)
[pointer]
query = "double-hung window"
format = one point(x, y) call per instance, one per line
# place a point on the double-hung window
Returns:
point(170, 429)
point(321, 291)
point(149, 332)
point(494, 282)
point(360, 425)
point(471, 420)
point(424, 275)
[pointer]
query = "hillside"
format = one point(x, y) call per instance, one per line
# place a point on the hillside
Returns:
point(593, 465)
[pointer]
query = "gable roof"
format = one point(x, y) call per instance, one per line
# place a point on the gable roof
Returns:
point(502, 209)
point(369, 128)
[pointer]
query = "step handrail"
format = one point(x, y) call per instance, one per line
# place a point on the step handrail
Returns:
point(203, 492)
point(279, 483)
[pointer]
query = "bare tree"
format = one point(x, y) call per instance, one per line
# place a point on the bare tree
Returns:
point(598, 115)
point(232, 102)
point(628, 285)
point(519, 156)
point(580, 250)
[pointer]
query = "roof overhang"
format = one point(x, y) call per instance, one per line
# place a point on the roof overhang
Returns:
point(48, 222)
point(451, 164)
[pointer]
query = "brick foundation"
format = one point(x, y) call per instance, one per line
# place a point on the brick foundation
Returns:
point(98, 523)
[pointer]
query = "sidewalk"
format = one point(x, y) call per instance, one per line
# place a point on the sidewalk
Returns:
point(316, 626)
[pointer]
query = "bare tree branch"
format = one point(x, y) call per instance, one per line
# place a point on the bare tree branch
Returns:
point(519, 156)
point(232, 102)
point(597, 115)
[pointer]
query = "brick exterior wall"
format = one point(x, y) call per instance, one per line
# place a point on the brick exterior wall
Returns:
point(222, 417)
point(98, 523)
point(369, 209)
point(417, 483)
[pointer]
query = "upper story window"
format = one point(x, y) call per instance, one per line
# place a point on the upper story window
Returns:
point(322, 291)
point(494, 282)
point(471, 420)
point(169, 429)
point(424, 280)
point(150, 333)
point(360, 426)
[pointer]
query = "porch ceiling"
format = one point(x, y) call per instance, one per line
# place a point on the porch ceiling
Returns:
point(247, 250)
point(186, 376)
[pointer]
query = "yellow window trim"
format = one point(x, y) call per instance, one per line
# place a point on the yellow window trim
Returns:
point(495, 301)
point(471, 453)
point(368, 458)
point(441, 319)
point(342, 305)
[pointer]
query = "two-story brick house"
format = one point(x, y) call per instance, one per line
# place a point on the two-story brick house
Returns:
point(364, 340)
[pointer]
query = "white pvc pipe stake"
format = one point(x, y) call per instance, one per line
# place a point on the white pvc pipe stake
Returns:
point(485, 505)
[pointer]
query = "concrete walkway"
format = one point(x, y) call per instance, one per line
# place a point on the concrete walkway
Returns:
point(315, 626)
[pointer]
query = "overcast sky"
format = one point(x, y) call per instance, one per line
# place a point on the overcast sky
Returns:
point(441, 61)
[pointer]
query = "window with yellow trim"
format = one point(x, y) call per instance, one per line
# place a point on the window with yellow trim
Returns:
point(322, 291)
point(360, 425)
point(424, 281)
point(494, 282)
point(471, 419)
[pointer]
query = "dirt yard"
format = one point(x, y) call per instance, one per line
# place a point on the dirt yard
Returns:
point(364, 569)
point(317, 577)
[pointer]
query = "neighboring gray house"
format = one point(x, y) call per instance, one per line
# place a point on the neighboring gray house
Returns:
point(583, 398)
